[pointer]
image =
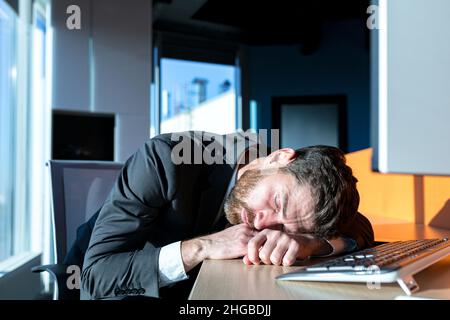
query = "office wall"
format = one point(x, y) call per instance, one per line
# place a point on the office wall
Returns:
point(106, 66)
point(340, 66)
point(71, 82)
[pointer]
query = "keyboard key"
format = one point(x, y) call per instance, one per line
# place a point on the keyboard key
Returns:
point(359, 268)
point(349, 259)
point(341, 268)
point(314, 269)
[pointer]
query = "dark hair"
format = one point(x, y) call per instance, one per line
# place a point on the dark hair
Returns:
point(333, 186)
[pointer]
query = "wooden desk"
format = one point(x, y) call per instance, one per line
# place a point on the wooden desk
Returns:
point(232, 280)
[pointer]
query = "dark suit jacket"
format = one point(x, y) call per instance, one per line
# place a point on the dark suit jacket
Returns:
point(155, 202)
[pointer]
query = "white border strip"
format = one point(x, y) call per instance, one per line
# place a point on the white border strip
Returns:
point(383, 87)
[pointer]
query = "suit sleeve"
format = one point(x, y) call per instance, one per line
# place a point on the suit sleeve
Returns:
point(119, 260)
point(360, 230)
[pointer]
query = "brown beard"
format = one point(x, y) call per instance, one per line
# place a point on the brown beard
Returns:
point(236, 200)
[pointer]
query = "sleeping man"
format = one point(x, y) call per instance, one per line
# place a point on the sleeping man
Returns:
point(186, 197)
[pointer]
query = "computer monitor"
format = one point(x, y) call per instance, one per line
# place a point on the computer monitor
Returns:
point(82, 136)
point(410, 87)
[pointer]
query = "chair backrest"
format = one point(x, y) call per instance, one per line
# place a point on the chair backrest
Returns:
point(79, 189)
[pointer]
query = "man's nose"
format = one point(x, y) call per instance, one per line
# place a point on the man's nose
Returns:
point(264, 219)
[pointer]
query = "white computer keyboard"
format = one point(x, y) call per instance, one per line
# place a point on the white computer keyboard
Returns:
point(386, 263)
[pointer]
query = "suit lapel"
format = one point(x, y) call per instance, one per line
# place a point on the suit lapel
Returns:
point(211, 200)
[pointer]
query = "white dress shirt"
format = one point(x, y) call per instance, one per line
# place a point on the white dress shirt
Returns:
point(171, 267)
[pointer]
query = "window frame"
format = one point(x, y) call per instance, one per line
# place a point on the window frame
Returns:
point(10, 114)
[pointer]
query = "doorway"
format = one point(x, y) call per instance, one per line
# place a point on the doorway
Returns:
point(311, 120)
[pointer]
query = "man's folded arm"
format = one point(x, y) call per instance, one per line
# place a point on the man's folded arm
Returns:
point(357, 235)
point(120, 260)
point(360, 231)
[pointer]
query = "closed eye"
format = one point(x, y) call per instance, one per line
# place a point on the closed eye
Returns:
point(277, 205)
point(278, 211)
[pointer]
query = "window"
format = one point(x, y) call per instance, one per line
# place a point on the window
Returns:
point(197, 96)
point(8, 74)
point(24, 127)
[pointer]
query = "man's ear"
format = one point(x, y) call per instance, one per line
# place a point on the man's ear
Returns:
point(281, 157)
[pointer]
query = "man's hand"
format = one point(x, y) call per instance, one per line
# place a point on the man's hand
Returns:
point(276, 247)
point(227, 244)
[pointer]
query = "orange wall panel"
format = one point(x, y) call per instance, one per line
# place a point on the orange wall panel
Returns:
point(393, 196)
point(389, 196)
point(437, 201)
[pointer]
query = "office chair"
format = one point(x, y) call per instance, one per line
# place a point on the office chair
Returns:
point(78, 189)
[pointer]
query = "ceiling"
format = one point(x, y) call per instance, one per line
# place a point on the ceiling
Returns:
point(254, 22)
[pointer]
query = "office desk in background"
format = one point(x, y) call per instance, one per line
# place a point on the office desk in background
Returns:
point(232, 280)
